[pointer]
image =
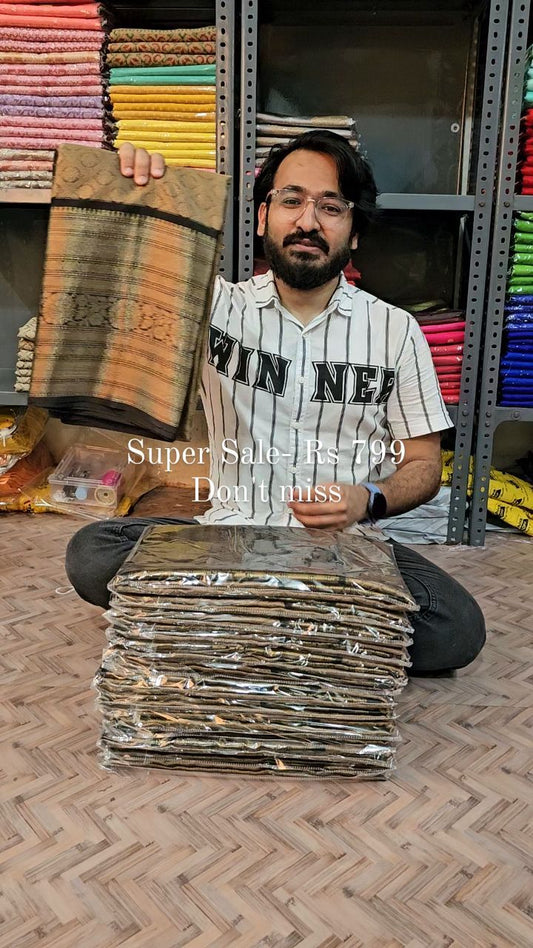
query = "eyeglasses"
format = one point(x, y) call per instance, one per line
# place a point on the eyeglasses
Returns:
point(293, 203)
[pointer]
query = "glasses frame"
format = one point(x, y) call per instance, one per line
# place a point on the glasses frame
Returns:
point(349, 204)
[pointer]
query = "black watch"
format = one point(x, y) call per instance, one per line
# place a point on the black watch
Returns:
point(377, 504)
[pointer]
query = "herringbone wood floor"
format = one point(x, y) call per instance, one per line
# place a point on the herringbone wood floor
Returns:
point(440, 855)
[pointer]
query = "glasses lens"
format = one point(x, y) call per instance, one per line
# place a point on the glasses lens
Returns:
point(293, 203)
point(331, 207)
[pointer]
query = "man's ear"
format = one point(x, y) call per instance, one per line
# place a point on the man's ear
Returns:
point(355, 241)
point(261, 219)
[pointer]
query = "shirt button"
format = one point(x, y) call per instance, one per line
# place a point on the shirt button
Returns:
point(293, 470)
point(296, 424)
point(301, 379)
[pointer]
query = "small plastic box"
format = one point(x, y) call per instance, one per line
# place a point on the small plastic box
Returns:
point(89, 475)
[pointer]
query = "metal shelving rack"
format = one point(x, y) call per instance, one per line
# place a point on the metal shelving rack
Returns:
point(490, 414)
point(168, 14)
point(479, 205)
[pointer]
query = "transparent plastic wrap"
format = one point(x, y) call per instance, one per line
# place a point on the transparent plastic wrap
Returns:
point(287, 658)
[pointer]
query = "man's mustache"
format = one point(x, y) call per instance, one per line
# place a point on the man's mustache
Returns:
point(313, 239)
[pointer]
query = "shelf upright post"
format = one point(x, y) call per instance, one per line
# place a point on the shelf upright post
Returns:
point(481, 226)
point(489, 417)
point(225, 73)
point(249, 29)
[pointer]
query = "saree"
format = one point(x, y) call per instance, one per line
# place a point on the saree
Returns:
point(169, 47)
point(266, 650)
point(161, 59)
point(202, 34)
point(119, 344)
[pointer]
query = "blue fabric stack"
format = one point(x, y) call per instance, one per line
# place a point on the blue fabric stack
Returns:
point(516, 365)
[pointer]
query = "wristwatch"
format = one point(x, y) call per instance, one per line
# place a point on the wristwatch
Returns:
point(377, 504)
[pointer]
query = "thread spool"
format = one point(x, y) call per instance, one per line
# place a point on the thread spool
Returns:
point(105, 496)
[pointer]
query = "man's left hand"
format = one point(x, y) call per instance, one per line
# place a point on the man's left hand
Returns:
point(332, 514)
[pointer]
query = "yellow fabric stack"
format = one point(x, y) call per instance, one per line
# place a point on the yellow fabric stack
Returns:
point(509, 497)
point(163, 93)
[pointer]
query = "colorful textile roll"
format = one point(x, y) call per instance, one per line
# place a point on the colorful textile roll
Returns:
point(168, 47)
point(200, 34)
point(161, 59)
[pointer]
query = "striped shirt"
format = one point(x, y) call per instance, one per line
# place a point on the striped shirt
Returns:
point(290, 406)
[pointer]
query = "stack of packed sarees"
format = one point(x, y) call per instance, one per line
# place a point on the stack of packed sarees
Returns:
point(525, 161)
point(255, 650)
point(163, 92)
point(25, 352)
point(516, 363)
point(51, 85)
point(444, 330)
point(279, 129)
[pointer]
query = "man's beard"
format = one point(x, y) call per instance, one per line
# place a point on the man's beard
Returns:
point(302, 272)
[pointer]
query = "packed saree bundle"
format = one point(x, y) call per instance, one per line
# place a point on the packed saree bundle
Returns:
point(126, 353)
point(51, 85)
point(255, 650)
point(163, 93)
point(279, 129)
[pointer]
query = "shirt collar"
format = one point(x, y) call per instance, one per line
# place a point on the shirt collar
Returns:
point(266, 294)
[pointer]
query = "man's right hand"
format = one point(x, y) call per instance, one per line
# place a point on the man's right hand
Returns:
point(138, 164)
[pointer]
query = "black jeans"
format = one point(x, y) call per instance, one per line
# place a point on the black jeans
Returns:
point(449, 630)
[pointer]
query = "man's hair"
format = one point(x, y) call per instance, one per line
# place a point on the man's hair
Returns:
point(355, 174)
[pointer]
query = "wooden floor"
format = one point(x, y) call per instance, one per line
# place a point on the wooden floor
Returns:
point(439, 855)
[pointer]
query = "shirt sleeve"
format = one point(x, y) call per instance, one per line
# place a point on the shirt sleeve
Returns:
point(415, 406)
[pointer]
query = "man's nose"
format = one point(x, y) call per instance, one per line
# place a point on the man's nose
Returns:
point(308, 219)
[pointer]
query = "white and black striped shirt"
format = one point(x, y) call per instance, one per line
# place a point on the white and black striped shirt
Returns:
point(361, 372)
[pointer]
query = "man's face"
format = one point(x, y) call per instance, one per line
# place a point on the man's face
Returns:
point(302, 250)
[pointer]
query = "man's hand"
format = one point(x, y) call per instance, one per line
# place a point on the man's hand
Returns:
point(136, 163)
point(332, 514)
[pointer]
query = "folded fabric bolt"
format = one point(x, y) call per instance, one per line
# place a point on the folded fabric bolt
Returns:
point(52, 111)
point(44, 35)
point(172, 120)
point(17, 46)
point(447, 360)
point(39, 142)
point(272, 134)
point(25, 184)
point(177, 136)
point(33, 121)
point(20, 135)
point(78, 9)
point(100, 342)
point(202, 34)
point(444, 338)
point(155, 83)
point(155, 126)
point(36, 89)
point(446, 350)
point(44, 70)
point(83, 101)
point(168, 113)
point(202, 70)
point(161, 59)
point(443, 327)
point(334, 121)
point(14, 165)
point(166, 47)
point(23, 153)
point(56, 23)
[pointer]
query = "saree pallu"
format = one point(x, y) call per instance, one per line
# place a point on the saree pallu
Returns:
point(191, 49)
point(202, 34)
point(161, 59)
point(126, 299)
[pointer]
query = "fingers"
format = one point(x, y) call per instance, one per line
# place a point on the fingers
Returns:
point(322, 521)
point(138, 164)
point(157, 165)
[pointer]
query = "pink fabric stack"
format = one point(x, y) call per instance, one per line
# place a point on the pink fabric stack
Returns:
point(51, 87)
point(445, 333)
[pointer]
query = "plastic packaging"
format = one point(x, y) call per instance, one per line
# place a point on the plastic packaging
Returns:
point(255, 650)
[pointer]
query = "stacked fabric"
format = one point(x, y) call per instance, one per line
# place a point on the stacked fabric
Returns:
point(255, 650)
point(525, 164)
point(25, 351)
point(516, 364)
point(51, 87)
point(279, 129)
point(163, 92)
point(444, 330)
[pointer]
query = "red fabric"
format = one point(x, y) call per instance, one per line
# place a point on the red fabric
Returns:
point(444, 338)
point(351, 274)
point(447, 360)
point(443, 327)
point(446, 350)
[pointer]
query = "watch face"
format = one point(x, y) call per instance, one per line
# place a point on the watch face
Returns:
point(378, 505)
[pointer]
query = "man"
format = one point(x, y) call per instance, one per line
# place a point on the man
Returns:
point(322, 403)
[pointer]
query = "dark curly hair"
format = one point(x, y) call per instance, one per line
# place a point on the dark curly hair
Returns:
point(355, 174)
